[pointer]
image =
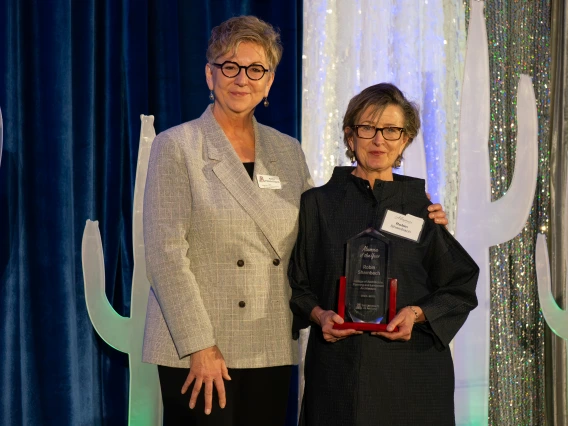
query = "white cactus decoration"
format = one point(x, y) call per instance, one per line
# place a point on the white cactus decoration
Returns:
point(556, 318)
point(480, 222)
point(126, 333)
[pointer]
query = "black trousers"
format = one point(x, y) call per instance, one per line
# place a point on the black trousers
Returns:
point(255, 397)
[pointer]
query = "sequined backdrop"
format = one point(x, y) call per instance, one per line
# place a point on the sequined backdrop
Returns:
point(519, 42)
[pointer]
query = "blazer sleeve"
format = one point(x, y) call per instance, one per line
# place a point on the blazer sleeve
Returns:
point(167, 216)
point(453, 275)
point(304, 299)
point(306, 176)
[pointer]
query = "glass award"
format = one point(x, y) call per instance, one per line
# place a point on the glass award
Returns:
point(367, 294)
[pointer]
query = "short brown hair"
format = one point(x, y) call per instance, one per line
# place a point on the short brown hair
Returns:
point(227, 36)
point(379, 96)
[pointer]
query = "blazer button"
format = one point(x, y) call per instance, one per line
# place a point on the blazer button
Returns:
point(240, 263)
point(242, 304)
point(276, 262)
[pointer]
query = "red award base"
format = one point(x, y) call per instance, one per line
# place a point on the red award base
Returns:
point(366, 326)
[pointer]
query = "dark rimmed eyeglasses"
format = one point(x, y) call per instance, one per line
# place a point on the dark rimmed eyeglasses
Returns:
point(232, 69)
point(366, 131)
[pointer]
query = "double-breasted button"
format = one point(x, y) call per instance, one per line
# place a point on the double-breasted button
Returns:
point(276, 262)
point(240, 263)
point(242, 304)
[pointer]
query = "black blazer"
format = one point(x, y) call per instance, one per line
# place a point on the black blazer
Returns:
point(366, 377)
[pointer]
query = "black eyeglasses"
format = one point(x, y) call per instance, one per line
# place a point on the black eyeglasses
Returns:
point(366, 131)
point(232, 69)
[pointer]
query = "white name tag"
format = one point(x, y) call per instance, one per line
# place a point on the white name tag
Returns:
point(268, 182)
point(406, 226)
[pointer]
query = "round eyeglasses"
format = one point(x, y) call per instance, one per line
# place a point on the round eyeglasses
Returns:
point(232, 69)
point(366, 131)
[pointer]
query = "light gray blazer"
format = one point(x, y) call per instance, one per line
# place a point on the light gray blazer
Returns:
point(217, 246)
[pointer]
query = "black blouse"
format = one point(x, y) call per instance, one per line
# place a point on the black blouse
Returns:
point(249, 168)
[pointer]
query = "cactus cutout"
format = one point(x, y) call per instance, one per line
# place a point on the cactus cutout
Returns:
point(126, 334)
point(556, 317)
point(480, 222)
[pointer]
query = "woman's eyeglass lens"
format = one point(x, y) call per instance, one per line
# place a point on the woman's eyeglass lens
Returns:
point(232, 69)
point(364, 131)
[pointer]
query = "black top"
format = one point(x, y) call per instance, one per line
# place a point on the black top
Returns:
point(250, 168)
point(363, 379)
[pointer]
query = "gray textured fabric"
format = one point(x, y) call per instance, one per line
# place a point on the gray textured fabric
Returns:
point(202, 216)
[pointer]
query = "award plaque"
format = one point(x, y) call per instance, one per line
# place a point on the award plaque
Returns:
point(367, 297)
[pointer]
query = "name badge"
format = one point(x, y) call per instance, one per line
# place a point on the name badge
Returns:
point(405, 226)
point(268, 182)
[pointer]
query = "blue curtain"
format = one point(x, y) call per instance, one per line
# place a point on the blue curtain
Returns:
point(74, 78)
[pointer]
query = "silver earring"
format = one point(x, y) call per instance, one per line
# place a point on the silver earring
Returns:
point(266, 103)
point(211, 97)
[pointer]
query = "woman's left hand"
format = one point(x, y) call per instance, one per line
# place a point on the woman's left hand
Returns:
point(404, 320)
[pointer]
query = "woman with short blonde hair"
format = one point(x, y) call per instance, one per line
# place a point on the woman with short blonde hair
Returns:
point(220, 217)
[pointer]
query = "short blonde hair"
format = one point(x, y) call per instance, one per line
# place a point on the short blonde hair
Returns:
point(227, 36)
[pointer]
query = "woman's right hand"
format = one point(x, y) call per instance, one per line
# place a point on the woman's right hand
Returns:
point(207, 367)
point(326, 319)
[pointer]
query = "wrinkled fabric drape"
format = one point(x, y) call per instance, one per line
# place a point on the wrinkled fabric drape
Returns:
point(74, 78)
